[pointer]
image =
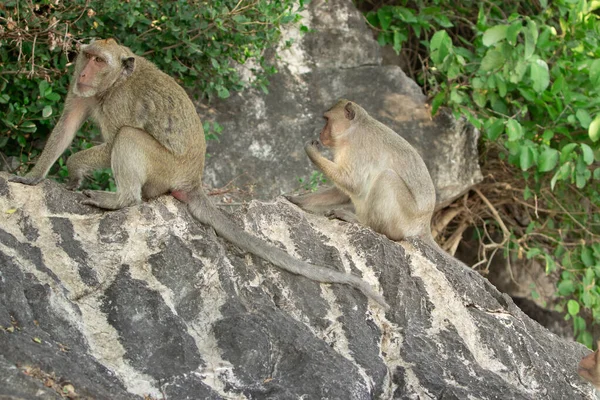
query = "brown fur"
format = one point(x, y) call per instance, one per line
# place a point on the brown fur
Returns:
point(589, 367)
point(154, 144)
point(381, 173)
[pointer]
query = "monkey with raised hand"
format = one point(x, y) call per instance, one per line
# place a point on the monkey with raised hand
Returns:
point(154, 143)
point(383, 176)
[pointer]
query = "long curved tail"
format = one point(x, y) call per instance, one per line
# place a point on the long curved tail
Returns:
point(204, 211)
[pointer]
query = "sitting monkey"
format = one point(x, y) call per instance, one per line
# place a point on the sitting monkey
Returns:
point(377, 170)
point(154, 143)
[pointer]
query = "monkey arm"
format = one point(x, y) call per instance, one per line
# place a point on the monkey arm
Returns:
point(75, 113)
point(339, 176)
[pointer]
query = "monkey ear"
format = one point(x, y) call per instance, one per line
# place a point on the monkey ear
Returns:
point(349, 111)
point(128, 65)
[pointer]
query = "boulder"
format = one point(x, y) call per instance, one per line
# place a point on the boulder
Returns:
point(145, 301)
point(262, 143)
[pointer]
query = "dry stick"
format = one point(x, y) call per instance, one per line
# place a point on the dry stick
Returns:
point(444, 220)
point(454, 240)
point(33, 57)
point(494, 212)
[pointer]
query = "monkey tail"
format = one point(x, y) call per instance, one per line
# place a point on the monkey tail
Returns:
point(204, 211)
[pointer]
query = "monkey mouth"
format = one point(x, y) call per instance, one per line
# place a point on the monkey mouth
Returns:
point(83, 86)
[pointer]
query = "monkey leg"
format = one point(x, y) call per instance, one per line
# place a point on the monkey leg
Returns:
point(391, 209)
point(83, 163)
point(139, 163)
point(321, 200)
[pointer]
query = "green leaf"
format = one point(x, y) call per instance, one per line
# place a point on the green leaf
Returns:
point(596, 174)
point(588, 153)
point(399, 38)
point(27, 126)
point(565, 287)
point(531, 36)
point(566, 151)
point(222, 92)
point(4, 98)
point(493, 59)
point(573, 307)
point(587, 257)
point(437, 101)
point(47, 111)
point(563, 172)
point(548, 159)
point(53, 97)
point(526, 158)
point(584, 118)
point(540, 75)
point(501, 85)
point(42, 86)
point(558, 85)
point(550, 264)
point(385, 17)
point(513, 32)
point(595, 72)
point(494, 128)
point(514, 130)
point(494, 35)
point(594, 129)
point(440, 46)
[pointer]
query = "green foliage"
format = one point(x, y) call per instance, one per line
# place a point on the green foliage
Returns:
point(211, 47)
point(315, 180)
point(528, 75)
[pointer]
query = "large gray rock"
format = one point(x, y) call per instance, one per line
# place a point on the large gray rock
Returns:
point(146, 301)
point(264, 134)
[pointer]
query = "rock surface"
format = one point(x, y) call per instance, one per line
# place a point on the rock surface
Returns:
point(145, 301)
point(264, 134)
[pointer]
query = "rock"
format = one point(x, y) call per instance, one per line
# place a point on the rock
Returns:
point(146, 301)
point(264, 134)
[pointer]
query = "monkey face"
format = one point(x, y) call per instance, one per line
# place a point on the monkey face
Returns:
point(338, 121)
point(99, 65)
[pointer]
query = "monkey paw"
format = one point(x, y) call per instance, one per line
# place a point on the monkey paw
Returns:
point(27, 180)
point(312, 146)
point(73, 184)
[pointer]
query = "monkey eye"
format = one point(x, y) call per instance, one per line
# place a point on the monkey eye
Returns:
point(99, 60)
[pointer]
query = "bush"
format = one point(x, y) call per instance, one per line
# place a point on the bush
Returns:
point(210, 47)
point(527, 74)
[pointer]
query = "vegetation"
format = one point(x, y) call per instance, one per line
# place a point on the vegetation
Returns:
point(527, 74)
point(211, 47)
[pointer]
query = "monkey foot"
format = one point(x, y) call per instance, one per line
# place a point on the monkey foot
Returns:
point(105, 200)
point(342, 214)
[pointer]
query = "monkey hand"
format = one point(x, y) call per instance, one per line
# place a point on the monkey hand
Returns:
point(312, 147)
point(73, 183)
point(28, 179)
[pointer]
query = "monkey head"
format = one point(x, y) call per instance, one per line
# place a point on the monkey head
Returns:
point(589, 368)
point(339, 120)
point(100, 65)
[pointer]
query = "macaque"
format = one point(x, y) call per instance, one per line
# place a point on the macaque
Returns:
point(589, 368)
point(154, 143)
point(382, 175)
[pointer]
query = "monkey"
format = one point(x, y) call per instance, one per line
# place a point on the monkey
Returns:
point(154, 143)
point(589, 367)
point(375, 169)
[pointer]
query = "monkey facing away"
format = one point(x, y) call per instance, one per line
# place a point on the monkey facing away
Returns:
point(589, 368)
point(383, 176)
point(154, 143)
